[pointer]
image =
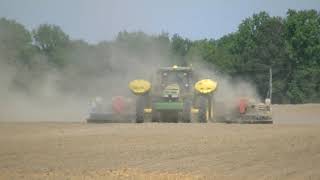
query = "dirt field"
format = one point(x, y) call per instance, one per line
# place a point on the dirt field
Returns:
point(288, 149)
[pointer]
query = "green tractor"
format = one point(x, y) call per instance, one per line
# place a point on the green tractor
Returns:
point(176, 95)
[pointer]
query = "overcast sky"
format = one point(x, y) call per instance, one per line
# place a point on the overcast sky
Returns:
point(96, 20)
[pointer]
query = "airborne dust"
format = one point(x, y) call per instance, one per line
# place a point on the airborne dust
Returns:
point(43, 92)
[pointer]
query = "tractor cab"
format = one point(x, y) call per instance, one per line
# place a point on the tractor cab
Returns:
point(175, 79)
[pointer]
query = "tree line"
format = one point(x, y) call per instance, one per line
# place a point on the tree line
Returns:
point(289, 45)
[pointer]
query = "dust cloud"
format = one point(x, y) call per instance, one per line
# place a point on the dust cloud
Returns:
point(42, 92)
point(229, 91)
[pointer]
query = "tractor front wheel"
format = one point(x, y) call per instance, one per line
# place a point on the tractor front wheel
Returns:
point(155, 116)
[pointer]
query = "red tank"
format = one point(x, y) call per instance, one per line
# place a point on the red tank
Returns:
point(243, 103)
point(118, 104)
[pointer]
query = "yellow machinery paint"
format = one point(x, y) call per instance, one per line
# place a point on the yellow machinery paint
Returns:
point(206, 86)
point(140, 86)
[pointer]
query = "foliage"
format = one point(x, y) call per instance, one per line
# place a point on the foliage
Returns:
point(289, 45)
point(52, 41)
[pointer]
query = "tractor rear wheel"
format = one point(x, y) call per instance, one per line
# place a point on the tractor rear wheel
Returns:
point(186, 113)
point(203, 108)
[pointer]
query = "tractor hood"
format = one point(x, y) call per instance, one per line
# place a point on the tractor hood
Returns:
point(171, 91)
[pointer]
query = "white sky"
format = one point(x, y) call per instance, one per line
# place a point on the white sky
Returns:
point(96, 20)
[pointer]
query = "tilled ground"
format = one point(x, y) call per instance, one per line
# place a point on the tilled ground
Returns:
point(163, 151)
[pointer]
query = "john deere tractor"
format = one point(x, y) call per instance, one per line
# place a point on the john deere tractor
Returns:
point(175, 95)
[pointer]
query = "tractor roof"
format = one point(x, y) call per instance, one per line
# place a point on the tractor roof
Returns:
point(175, 68)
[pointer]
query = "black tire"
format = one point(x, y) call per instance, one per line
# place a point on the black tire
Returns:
point(203, 106)
point(155, 116)
point(186, 113)
point(140, 109)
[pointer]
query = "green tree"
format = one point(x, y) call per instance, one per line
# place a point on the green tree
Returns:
point(260, 45)
point(303, 41)
point(52, 41)
point(15, 42)
point(17, 53)
point(289, 45)
point(225, 60)
point(180, 48)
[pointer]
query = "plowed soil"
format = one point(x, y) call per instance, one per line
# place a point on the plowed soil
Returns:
point(287, 149)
